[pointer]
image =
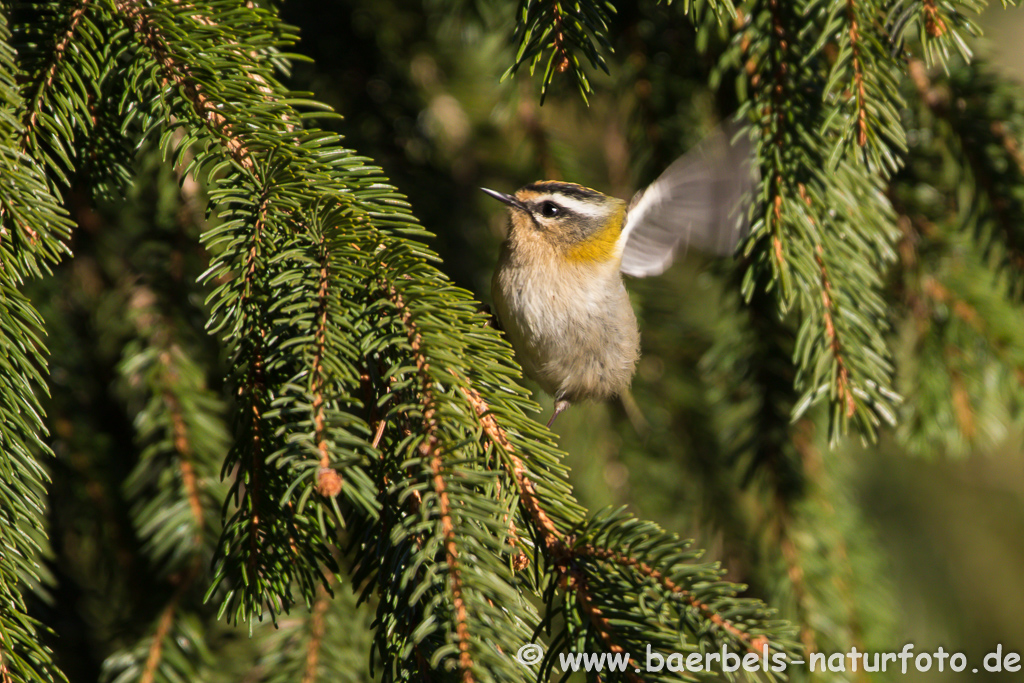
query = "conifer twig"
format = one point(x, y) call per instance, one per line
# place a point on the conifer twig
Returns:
point(938, 101)
point(858, 75)
point(164, 625)
point(578, 582)
point(843, 391)
point(607, 554)
point(156, 648)
point(430, 448)
point(31, 112)
point(318, 629)
point(188, 472)
point(328, 481)
point(174, 71)
point(553, 539)
point(563, 553)
point(777, 109)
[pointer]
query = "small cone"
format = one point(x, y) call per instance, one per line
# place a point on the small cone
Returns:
point(328, 482)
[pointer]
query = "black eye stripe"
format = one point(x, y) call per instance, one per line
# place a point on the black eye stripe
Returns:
point(551, 209)
point(568, 189)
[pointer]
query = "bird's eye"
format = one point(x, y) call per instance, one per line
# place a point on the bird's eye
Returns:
point(550, 209)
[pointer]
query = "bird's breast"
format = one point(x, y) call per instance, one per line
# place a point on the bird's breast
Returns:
point(572, 327)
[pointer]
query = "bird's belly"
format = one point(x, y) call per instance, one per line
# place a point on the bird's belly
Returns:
point(575, 336)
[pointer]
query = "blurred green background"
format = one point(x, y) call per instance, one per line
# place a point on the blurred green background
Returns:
point(420, 91)
point(924, 547)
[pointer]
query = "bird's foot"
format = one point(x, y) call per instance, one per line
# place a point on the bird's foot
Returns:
point(559, 407)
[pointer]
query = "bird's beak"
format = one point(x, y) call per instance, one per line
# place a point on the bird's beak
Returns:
point(505, 199)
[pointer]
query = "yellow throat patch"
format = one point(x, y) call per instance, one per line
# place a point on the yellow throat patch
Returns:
point(600, 246)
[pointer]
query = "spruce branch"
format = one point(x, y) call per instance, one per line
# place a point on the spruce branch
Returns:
point(33, 228)
point(456, 533)
point(959, 270)
point(57, 109)
point(818, 587)
point(431, 449)
point(551, 537)
point(328, 481)
point(775, 89)
point(175, 647)
point(819, 230)
point(451, 549)
point(857, 61)
point(180, 437)
point(989, 149)
point(179, 73)
point(577, 582)
point(42, 85)
point(754, 645)
point(374, 407)
point(862, 87)
point(164, 623)
point(965, 322)
point(801, 593)
point(583, 558)
point(781, 474)
point(942, 26)
point(556, 30)
point(317, 629)
point(188, 473)
point(844, 394)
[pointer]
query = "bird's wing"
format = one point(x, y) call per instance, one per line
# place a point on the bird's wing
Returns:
point(700, 201)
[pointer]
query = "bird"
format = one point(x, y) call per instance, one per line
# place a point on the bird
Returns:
point(558, 287)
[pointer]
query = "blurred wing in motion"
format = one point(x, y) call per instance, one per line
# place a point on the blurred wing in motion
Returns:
point(700, 201)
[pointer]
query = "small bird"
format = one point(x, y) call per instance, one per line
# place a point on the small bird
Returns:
point(558, 289)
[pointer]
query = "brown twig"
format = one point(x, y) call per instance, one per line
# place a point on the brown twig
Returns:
point(552, 538)
point(559, 43)
point(157, 332)
point(255, 386)
point(318, 628)
point(609, 555)
point(858, 75)
point(933, 22)
point(188, 473)
point(430, 448)
point(31, 113)
point(844, 392)
point(452, 558)
point(156, 648)
point(776, 109)
point(163, 628)
point(600, 622)
point(563, 553)
point(328, 481)
point(179, 73)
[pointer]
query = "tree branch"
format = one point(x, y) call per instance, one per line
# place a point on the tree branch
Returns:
point(430, 448)
point(176, 72)
point(328, 481)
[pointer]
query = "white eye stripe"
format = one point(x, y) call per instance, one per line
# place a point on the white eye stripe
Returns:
point(576, 206)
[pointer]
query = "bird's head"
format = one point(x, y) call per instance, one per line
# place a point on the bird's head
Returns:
point(580, 224)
